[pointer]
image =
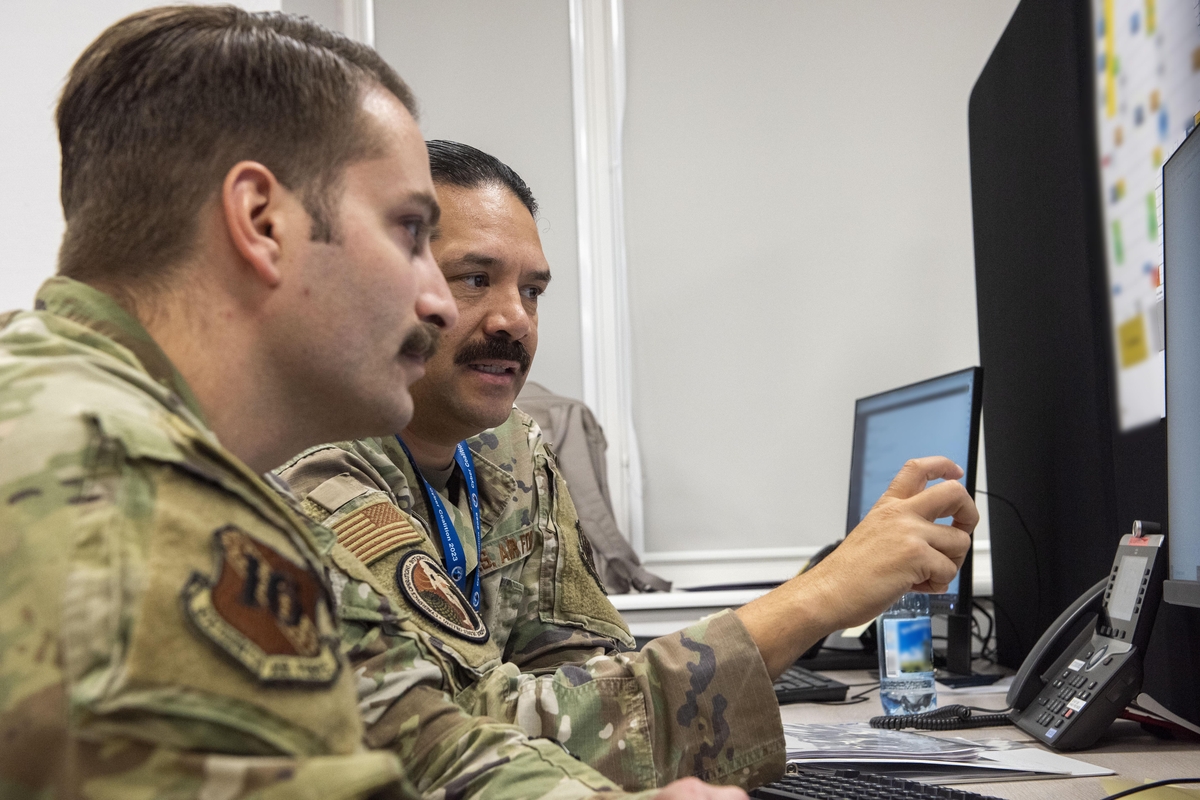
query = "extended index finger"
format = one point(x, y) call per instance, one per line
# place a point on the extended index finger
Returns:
point(917, 472)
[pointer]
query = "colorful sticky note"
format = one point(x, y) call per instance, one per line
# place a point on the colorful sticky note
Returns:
point(1151, 17)
point(1154, 101)
point(1151, 218)
point(1118, 245)
point(1131, 340)
point(1156, 158)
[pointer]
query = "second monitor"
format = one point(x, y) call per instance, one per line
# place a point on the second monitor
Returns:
point(939, 416)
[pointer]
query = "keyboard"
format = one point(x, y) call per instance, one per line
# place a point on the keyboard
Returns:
point(800, 685)
point(813, 783)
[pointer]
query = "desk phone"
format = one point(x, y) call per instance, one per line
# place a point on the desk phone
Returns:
point(1069, 701)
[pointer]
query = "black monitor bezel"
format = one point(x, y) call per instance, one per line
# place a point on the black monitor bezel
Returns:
point(1180, 592)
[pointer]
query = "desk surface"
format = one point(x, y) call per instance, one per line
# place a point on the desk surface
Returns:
point(1128, 750)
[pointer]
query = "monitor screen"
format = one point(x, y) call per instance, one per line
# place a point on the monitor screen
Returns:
point(1181, 211)
point(934, 417)
point(1147, 62)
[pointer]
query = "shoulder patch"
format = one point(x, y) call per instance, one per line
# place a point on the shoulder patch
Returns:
point(265, 611)
point(375, 530)
point(426, 586)
point(336, 492)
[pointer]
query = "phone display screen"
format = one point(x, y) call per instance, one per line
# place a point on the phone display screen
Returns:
point(1125, 588)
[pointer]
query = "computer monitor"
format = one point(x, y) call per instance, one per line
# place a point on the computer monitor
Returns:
point(939, 416)
point(1181, 271)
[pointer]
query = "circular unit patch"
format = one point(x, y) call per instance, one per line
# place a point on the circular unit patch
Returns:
point(428, 589)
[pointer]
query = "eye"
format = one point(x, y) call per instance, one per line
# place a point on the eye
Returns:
point(418, 231)
point(476, 281)
point(532, 292)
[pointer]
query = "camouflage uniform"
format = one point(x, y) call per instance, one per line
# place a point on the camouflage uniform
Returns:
point(556, 661)
point(166, 623)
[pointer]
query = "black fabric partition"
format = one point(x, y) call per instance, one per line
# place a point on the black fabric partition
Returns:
point(1040, 291)
point(1056, 462)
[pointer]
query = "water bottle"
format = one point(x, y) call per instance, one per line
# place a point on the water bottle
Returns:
point(906, 657)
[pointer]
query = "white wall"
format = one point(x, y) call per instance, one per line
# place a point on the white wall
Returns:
point(799, 235)
point(42, 40)
point(498, 76)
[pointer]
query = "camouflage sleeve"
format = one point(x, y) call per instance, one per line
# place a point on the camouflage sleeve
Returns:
point(403, 681)
point(698, 702)
point(106, 688)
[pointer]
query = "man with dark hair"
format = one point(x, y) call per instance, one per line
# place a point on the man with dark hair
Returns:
point(246, 272)
point(469, 483)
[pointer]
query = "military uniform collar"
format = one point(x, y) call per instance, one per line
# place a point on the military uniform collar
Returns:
point(121, 335)
point(497, 488)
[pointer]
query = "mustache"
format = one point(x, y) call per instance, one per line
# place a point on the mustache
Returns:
point(422, 342)
point(494, 348)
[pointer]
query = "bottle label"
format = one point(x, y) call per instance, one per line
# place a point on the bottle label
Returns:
point(908, 646)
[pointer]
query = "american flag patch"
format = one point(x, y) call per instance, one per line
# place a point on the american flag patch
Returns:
point(375, 530)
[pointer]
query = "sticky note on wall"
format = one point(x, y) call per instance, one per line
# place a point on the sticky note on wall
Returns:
point(1131, 338)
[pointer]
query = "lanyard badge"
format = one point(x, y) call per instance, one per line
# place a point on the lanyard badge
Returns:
point(456, 560)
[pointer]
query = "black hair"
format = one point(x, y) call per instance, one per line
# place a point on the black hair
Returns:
point(461, 165)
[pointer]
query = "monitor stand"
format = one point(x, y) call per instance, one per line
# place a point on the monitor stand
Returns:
point(957, 673)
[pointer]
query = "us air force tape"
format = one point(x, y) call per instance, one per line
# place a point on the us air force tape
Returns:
point(428, 589)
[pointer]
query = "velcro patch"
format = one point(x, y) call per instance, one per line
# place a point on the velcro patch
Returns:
point(509, 549)
point(336, 492)
point(265, 611)
point(375, 530)
point(430, 591)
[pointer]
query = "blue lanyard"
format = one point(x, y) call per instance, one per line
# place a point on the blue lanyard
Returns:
point(456, 560)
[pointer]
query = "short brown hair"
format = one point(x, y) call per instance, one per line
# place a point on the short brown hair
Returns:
point(161, 106)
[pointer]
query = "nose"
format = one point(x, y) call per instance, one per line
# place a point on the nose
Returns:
point(508, 316)
point(435, 304)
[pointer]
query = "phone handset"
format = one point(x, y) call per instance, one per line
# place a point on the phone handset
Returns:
point(1068, 697)
point(1079, 618)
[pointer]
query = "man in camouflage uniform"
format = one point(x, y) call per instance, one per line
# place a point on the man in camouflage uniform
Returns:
point(247, 201)
point(547, 650)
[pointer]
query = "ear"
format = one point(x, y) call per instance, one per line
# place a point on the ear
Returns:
point(259, 213)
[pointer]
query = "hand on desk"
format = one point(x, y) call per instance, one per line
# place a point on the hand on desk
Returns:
point(897, 548)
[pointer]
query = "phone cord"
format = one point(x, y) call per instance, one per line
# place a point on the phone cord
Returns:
point(949, 718)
